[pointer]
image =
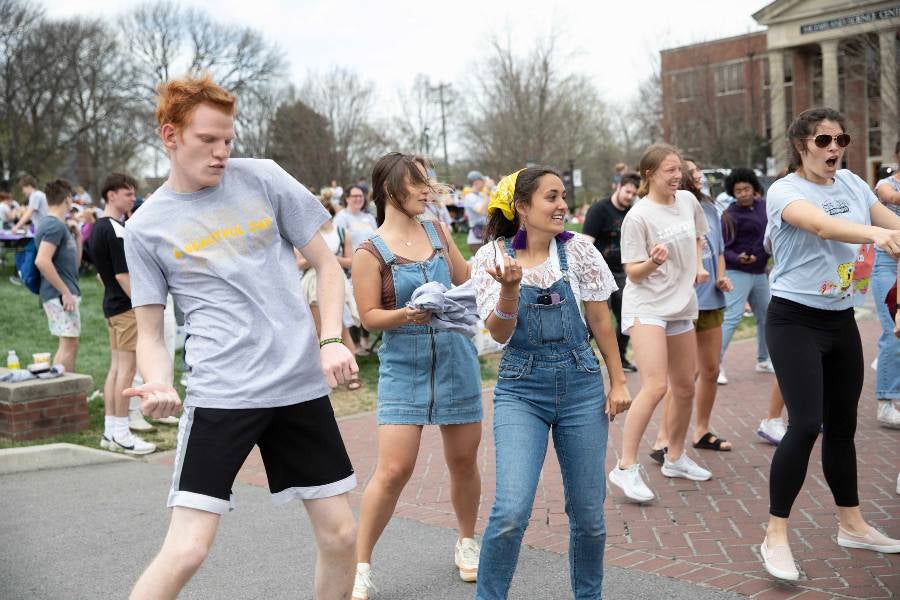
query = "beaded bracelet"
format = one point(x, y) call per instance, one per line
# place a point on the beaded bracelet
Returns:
point(330, 341)
point(505, 316)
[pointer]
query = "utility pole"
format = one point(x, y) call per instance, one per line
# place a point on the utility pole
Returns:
point(444, 102)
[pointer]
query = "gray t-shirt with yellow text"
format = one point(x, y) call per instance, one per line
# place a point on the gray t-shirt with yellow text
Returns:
point(225, 254)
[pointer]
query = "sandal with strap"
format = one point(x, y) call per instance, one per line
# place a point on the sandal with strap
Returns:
point(707, 443)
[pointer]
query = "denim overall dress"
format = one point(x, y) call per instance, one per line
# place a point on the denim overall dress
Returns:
point(549, 380)
point(426, 375)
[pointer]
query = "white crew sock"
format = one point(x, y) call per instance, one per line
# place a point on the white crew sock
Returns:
point(122, 432)
point(109, 426)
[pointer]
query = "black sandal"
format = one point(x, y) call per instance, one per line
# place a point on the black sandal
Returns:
point(706, 443)
point(659, 454)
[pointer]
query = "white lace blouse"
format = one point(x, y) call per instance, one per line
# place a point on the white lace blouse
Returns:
point(589, 276)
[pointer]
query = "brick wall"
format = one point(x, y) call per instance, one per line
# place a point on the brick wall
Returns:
point(43, 418)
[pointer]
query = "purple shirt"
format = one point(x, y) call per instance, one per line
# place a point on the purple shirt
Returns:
point(743, 230)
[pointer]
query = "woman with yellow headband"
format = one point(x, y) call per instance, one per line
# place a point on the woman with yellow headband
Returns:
point(529, 294)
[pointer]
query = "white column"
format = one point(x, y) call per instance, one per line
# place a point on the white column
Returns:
point(777, 109)
point(887, 44)
point(830, 90)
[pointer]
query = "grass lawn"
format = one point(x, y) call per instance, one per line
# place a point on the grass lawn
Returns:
point(24, 330)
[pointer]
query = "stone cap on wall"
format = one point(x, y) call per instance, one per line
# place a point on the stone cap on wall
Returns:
point(68, 384)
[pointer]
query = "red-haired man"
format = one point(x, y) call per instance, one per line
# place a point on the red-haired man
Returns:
point(219, 236)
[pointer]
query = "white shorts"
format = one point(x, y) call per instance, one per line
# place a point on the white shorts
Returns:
point(672, 327)
point(61, 322)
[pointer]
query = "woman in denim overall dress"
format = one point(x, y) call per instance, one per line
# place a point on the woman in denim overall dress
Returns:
point(549, 378)
point(426, 376)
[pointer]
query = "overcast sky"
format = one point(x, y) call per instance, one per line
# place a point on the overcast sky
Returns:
point(390, 42)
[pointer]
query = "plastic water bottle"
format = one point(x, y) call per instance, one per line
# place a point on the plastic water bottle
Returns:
point(12, 360)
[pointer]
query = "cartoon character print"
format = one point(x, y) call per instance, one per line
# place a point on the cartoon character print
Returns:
point(843, 288)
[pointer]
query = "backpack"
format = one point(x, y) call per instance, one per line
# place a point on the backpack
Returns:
point(28, 271)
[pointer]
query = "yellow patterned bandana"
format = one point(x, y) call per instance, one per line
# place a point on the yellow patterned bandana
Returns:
point(502, 198)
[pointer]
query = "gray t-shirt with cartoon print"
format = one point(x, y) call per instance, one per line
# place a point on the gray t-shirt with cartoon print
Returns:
point(226, 255)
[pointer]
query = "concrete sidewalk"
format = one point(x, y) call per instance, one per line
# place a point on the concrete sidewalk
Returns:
point(87, 532)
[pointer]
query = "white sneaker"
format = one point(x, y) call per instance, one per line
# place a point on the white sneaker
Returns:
point(137, 422)
point(765, 366)
point(779, 561)
point(107, 444)
point(874, 364)
point(132, 445)
point(685, 467)
point(170, 420)
point(363, 582)
point(465, 555)
point(772, 430)
point(888, 415)
point(631, 483)
point(722, 380)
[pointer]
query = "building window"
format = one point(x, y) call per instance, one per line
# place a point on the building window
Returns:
point(729, 78)
point(684, 85)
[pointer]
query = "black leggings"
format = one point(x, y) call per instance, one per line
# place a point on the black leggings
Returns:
point(818, 361)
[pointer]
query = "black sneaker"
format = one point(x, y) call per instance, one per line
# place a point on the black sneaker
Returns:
point(659, 455)
point(627, 366)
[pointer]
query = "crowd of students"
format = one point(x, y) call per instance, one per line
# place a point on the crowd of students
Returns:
point(224, 237)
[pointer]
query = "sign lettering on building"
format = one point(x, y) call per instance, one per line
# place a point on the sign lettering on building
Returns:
point(860, 19)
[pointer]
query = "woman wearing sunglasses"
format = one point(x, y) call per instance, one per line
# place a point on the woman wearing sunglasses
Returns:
point(549, 379)
point(818, 216)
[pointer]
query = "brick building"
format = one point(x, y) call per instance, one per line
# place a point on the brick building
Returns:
point(729, 101)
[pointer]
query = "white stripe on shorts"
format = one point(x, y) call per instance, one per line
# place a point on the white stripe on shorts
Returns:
point(315, 491)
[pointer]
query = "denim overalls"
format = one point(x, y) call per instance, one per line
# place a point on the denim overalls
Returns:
point(426, 376)
point(549, 378)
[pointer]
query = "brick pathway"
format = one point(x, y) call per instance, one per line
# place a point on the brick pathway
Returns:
point(705, 533)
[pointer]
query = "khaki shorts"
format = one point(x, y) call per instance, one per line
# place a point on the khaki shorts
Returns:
point(123, 331)
point(709, 319)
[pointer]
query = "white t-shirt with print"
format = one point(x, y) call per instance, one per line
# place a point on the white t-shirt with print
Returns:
point(668, 292)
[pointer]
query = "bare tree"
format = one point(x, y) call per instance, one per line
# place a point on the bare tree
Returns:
point(417, 123)
point(528, 109)
point(346, 102)
point(168, 41)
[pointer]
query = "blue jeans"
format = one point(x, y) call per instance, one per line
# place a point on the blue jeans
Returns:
point(535, 395)
point(887, 381)
point(752, 287)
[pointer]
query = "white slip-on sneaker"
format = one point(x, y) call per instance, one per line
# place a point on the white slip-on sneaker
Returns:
point(465, 555)
point(631, 483)
point(888, 415)
point(722, 379)
point(363, 583)
point(137, 422)
point(684, 467)
point(133, 445)
point(772, 430)
point(779, 561)
point(765, 367)
point(873, 540)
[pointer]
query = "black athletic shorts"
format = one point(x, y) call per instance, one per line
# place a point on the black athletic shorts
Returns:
point(300, 445)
